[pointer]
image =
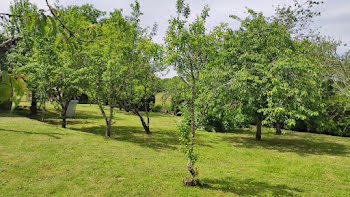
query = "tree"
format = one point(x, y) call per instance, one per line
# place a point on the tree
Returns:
point(124, 61)
point(272, 73)
point(140, 82)
point(104, 72)
point(59, 59)
point(141, 59)
point(35, 25)
point(192, 51)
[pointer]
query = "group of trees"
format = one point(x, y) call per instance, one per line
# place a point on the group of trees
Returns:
point(270, 71)
point(77, 49)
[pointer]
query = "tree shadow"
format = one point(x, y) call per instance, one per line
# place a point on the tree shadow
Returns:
point(26, 113)
point(301, 146)
point(161, 139)
point(151, 114)
point(249, 187)
point(53, 135)
point(88, 116)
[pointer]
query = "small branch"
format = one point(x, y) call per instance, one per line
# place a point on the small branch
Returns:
point(212, 95)
point(4, 47)
point(71, 33)
point(185, 80)
point(11, 15)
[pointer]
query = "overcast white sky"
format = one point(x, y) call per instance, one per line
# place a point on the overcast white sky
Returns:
point(335, 19)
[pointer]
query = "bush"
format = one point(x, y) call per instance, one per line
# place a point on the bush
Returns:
point(157, 108)
point(334, 119)
point(224, 120)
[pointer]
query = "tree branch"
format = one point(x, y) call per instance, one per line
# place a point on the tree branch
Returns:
point(5, 46)
point(71, 33)
point(212, 95)
point(11, 15)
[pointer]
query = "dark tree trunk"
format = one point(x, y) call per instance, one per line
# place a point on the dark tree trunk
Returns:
point(278, 128)
point(34, 105)
point(145, 126)
point(64, 122)
point(258, 129)
point(109, 122)
point(147, 114)
point(64, 113)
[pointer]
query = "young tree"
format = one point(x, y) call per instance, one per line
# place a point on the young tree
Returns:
point(193, 53)
point(140, 82)
point(104, 71)
point(141, 59)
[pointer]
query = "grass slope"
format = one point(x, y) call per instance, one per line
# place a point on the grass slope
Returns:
point(41, 159)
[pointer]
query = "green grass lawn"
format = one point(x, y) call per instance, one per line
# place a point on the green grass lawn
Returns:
point(41, 159)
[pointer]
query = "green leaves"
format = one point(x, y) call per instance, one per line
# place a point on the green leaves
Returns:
point(53, 27)
point(183, 8)
point(12, 88)
point(5, 92)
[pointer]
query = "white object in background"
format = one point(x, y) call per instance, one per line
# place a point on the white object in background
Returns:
point(71, 108)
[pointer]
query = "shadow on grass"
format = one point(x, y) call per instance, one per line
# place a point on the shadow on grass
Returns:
point(249, 187)
point(301, 146)
point(151, 114)
point(26, 113)
point(161, 139)
point(53, 135)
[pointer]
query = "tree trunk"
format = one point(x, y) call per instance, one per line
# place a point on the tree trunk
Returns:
point(147, 114)
point(258, 129)
point(145, 126)
point(64, 122)
point(193, 129)
point(190, 168)
point(278, 128)
point(34, 105)
point(64, 112)
point(109, 122)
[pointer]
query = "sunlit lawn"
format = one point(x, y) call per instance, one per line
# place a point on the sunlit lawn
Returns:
point(41, 159)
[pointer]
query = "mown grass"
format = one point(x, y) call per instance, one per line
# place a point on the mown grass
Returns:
point(41, 159)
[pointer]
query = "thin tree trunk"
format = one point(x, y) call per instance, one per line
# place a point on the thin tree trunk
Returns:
point(145, 126)
point(64, 122)
point(146, 109)
point(109, 122)
point(193, 129)
point(258, 129)
point(64, 113)
point(103, 113)
point(34, 104)
point(278, 128)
